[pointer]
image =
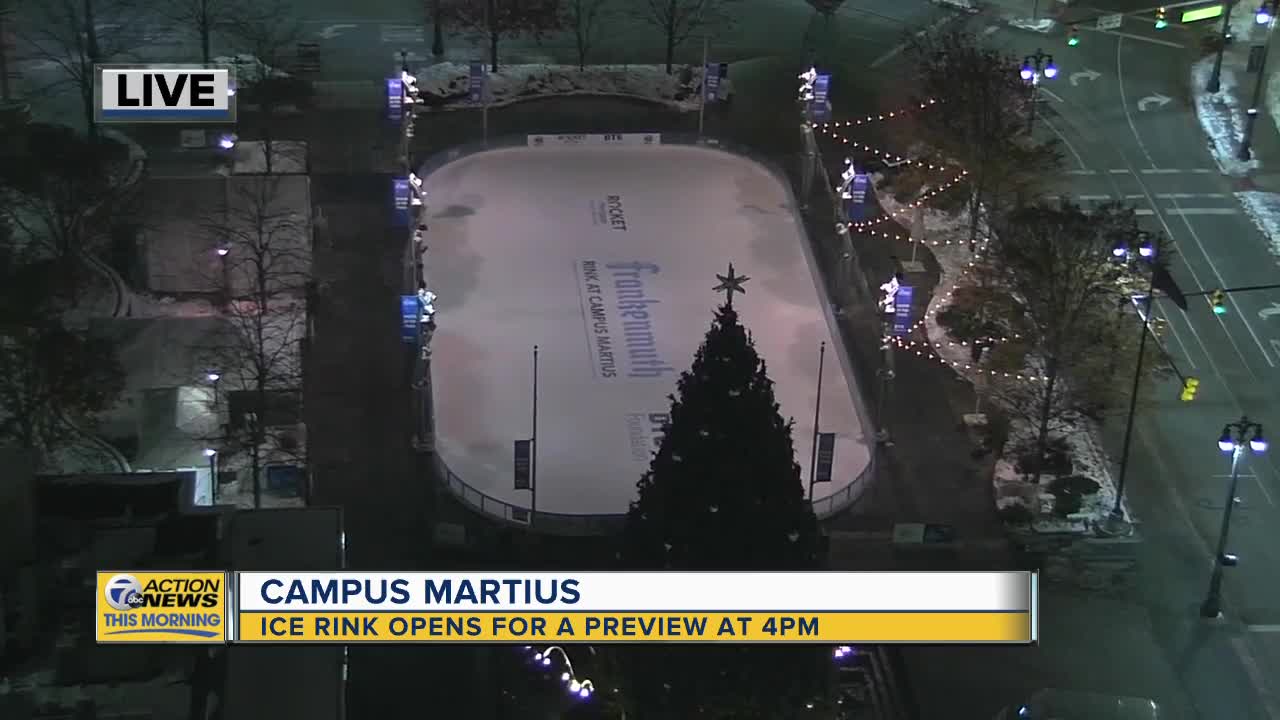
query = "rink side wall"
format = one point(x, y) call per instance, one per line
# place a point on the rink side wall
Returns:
point(834, 267)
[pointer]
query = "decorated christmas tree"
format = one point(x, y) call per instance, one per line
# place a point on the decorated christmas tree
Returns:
point(723, 492)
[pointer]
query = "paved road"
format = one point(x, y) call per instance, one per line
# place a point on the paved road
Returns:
point(1130, 130)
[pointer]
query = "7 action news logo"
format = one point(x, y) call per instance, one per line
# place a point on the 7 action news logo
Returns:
point(125, 592)
point(148, 607)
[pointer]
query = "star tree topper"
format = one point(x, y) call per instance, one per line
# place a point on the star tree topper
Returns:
point(730, 284)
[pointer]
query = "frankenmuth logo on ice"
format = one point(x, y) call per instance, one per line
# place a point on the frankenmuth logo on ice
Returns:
point(165, 93)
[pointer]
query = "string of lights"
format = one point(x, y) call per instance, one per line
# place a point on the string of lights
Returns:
point(584, 688)
point(581, 687)
point(879, 118)
point(909, 206)
point(925, 348)
point(866, 227)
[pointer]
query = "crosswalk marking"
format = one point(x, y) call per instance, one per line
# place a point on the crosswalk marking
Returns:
point(1202, 211)
point(402, 34)
point(1144, 171)
point(1160, 196)
point(1189, 211)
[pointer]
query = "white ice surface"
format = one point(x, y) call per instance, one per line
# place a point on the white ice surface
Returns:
point(510, 230)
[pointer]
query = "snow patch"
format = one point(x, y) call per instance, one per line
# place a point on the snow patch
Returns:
point(450, 82)
point(1263, 208)
point(1042, 25)
point(1222, 116)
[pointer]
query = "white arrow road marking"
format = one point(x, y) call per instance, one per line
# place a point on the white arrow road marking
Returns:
point(1268, 312)
point(1085, 74)
point(333, 31)
point(1158, 100)
point(991, 29)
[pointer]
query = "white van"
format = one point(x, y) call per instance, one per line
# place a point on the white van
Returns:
point(1052, 704)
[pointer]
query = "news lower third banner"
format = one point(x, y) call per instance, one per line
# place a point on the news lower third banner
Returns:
point(592, 607)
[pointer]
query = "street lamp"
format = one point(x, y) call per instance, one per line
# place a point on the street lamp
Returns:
point(1266, 15)
point(213, 474)
point(1215, 78)
point(1139, 247)
point(1035, 66)
point(1235, 437)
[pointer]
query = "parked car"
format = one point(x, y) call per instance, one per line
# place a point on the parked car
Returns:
point(1051, 704)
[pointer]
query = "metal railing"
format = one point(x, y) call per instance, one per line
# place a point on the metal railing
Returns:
point(605, 524)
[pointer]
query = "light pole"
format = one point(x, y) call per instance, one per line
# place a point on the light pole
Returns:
point(817, 416)
point(1139, 248)
point(1034, 67)
point(1235, 437)
point(1266, 15)
point(1215, 78)
point(213, 474)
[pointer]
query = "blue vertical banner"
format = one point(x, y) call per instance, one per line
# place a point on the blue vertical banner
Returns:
point(395, 99)
point(711, 82)
point(410, 310)
point(902, 310)
point(821, 89)
point(478, 78)
point(400, 201)
point(820, 106)
point(858, 196)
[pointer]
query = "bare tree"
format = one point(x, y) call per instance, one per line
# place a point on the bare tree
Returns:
point(264, 243)
point(498, 19)
point(678, 20)
point(74, 35)
point(982, 120)
point(266, 31)
point(60, 192)
point(51, 378)
point(205, 17)
point(1057, 263)
point(583, 18)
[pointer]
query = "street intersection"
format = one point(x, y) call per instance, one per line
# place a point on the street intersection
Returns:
point(1122, 109)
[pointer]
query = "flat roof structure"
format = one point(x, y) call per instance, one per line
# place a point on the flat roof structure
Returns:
point(272, 682)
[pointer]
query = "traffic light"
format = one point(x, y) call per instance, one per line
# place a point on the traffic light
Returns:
point(1218, 301)
point(1190, 387)
point(1073, 36)
point(1161, 23)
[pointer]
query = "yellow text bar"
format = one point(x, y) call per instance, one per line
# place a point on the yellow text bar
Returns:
point(748, 627)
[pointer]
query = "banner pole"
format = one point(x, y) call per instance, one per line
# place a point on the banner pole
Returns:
point(817, 411)
point(533, 451)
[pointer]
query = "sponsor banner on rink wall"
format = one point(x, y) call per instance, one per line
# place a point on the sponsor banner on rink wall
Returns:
point(595, 139)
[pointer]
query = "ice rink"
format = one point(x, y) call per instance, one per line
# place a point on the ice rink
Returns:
point(559, 247)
